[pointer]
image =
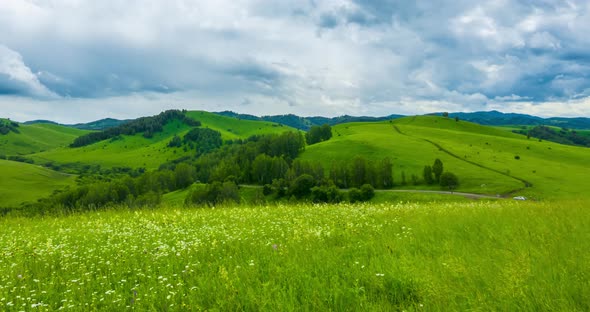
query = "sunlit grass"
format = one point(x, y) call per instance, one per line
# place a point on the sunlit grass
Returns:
point(500, 255)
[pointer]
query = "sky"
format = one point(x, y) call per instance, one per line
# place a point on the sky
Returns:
point(82, 60)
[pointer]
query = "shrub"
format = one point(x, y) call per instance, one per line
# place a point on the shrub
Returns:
point(267, 189)
point(302, 186)
point(355, 195)
point(326, 194)
point(449, 180)
point(367, 192)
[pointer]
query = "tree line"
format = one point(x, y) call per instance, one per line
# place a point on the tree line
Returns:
point(146, 125)
point(7, 126)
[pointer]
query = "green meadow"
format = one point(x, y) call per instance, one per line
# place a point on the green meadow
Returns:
point(36, 138)
point(484, 256)
point(486, 159)
point(137, 151)
point(401, 251)
point(21, 182)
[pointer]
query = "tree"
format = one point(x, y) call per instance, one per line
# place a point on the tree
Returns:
point(437, 169)
point(184, 175)
point(385, 174)
point(355, 195)
point(449, 180)
point(302, 186)
point(427, 174)
point(358, 171)
point(318, 134)
point(445, 114)
point(367, 192)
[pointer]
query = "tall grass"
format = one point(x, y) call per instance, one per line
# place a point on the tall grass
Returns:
point(422, 257)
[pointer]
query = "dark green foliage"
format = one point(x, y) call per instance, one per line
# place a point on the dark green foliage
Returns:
point(326, 194)
point(359, 171)
point(318, 134)
point(21, 159)
point(367, 192)
point(280, 187)
point(517, 157)
point(449, 181)
point(265, 168)
point(384, 174)
point(301, 187)
point(437, 169)
point(563, 136)
point(203, 140)
point(175, 142)
point(355, 195)
point(146, 125)
point(267, 189)
point(185, 175)
point(214, 194)
point(427, 175)
point(7, 126)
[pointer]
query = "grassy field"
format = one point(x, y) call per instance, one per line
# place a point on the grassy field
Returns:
point(555, 170)
point(483, 256)
point(137, 151)
point(20, 182)
point(484, 158)
point(37, 138)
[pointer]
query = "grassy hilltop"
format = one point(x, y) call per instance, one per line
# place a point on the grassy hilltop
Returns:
point(138, 151)
point(487, 160)
point(36, 138)
point(21, 182)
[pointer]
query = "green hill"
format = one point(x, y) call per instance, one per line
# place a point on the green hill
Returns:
point(137, 151)
point(20, 182)
point(35, 138)
point(484, 158)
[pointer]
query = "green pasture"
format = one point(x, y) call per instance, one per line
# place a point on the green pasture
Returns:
point(21, 182)
point(474, 256)
point(137, 151)
point(483, 157)
point(555, 170)
point(37, 138)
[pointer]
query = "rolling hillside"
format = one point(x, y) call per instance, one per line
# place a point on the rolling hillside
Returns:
point(20, 182)
point(138, 151)
point(484, 158)
point(33, 138)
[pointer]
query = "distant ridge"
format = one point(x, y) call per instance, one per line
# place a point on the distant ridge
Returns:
point(101, 124)
point(304, 123)
point(496, 118)
point(488, 118)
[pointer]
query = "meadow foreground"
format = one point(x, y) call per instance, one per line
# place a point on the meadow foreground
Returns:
point(499, 255)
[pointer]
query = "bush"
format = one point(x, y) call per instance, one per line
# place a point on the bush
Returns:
point(267, 189)
point(355, 195)
point(301, 187)
point(214, 194)
point(326, 194)
point(449, 180)
point(367, 192)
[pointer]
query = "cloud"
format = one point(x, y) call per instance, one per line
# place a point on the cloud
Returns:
point(17, 78)
point(307, 57)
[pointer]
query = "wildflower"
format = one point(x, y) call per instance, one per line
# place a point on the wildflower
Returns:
point(380, 274)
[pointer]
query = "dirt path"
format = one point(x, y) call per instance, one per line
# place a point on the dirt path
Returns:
point(467, 195)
